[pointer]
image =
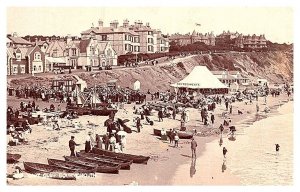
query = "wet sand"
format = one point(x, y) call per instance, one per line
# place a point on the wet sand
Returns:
point(165, 162)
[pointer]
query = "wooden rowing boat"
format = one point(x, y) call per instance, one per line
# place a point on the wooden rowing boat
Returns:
point(125, 164)
point(135, 158)
point(72, 166)
point(101, 167)
point(13, 158)
point(181, 134)
point(49, 171)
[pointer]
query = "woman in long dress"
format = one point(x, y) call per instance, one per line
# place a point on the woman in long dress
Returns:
point(87, 147)
point(98, 141)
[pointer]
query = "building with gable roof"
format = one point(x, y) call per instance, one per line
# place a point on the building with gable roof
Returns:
point(25, 60)
point(124, 39)
point(90, 54)
point(16, 41)
point(251, 41)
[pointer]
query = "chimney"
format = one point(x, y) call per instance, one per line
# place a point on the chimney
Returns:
point(69, 38)
point(36, 41)
point(147, 24)
point(159, 31)
point(15, 34)
point(114, 24)
point(125, 23)
point(100, 23)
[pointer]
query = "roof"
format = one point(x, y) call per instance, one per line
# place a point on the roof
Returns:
point(83, 45)
point(40, 43)
point(24, 51)
point(29, 50)
point(108, 30)
point(200, 78)
point(8, 40)
point(61, 44)
point(19, 40)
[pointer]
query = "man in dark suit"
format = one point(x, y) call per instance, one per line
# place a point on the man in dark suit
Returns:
point(72, 145)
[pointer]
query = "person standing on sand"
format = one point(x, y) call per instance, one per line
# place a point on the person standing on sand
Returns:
point(257, 108)
point(72, 145)
point(176, 139)
point(98, 142)
point(105, 140)
point(193, 147)
point(160, 115)
point(212, 118)
point(224, 152)
point(174, 113)
point(221, 128)
point(138, 124)
point(88, 145)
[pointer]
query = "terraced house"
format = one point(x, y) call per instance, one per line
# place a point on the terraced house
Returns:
point(186, 39)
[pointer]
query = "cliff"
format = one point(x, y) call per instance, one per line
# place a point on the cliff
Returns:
point(274, 66)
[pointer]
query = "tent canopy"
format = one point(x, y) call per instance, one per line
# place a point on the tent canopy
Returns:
point(55, 60)
point(200, 78)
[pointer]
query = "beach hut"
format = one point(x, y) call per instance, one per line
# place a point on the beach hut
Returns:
point(137, 85)
point(201, 80)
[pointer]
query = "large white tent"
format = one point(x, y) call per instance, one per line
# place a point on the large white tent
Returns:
point(200, 78)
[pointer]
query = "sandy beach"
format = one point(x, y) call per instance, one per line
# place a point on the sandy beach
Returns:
point(167, 165)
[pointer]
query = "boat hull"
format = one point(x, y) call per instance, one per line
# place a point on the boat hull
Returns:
point(135, 158)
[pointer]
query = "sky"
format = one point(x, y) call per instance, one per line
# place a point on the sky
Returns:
point(275, 23)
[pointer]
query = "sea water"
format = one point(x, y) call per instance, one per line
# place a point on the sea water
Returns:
point(253, 157)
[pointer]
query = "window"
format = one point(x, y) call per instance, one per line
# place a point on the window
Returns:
point(136, 40)
point(104, 37)
point(73, 62)
point(15, 69)
point(92, 50)
point(54, 53)
point(18, 56)
point(40, 68)
point(95, 63)
point(91, 61)
point(23, 69)
point(125, 38)
point(126, 47)
point(45, 46)
point(73, 52)
point(37, 56)
point(34, 68)
point(109, 53)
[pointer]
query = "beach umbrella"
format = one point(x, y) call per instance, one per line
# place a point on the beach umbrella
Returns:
point(122, 133)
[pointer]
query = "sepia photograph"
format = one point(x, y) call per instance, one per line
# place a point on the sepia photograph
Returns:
point(149, 96)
